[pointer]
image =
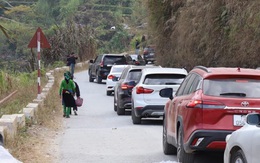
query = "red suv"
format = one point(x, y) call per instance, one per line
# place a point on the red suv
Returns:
point(209, 104)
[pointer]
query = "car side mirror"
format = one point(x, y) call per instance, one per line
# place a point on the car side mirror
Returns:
point(253, 119)
point(166, 92)
point(91, 61)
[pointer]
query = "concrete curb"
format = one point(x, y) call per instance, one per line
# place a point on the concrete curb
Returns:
point(9, 124)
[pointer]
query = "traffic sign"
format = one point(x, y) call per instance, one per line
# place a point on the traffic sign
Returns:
point(44, 42)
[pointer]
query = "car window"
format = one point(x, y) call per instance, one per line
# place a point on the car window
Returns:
point(189, 84)
point(196, 84)
point(164, 79)
point(98, 59)
point(235, 87)
point(139, 57)
point(134, 75)
point(117, 69)
point(134, 57)
point(183, 85)
point(111, 60)
point(124, 73)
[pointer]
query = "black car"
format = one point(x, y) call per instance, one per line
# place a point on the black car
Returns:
point(137, 59)
point(123, 89)
point(149, 54)
point(101, 66)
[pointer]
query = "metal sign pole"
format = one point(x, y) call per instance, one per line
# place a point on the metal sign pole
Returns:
point(39, 64)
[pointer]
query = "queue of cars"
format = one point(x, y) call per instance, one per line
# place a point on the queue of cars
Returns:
point(203, 110)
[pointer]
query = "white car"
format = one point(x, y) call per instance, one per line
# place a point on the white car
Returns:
point(112, 77)
point(146, 101)
point(243, 144)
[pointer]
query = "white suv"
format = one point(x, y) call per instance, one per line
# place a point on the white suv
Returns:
point(146, 101)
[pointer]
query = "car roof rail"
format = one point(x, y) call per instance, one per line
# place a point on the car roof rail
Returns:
point(203, 68)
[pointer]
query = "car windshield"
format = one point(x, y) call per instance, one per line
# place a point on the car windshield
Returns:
point(164, 79)
point(111, 60)
point(247, 88)
point(134, 75)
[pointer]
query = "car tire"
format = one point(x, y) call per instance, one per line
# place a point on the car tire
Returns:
point(135, 119)
point(109, 93)
point(182, 156)
point(168, 149)
point(90, 77)
point(119, 110)
point(238, 156)
point(98, 78)
point(115, 106)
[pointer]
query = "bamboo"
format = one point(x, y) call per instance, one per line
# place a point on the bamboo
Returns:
point(7, 97)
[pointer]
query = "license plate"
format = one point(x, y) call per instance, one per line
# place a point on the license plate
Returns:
point(239, 120)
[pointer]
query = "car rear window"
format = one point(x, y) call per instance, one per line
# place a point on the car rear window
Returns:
point(164, 79)
point(134, 75)
point(117, 69)
point(111, 60)
point(233, 88)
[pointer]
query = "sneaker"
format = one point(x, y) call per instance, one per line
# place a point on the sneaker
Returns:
point(64, 115)
point(67, 116)
point(75, 112)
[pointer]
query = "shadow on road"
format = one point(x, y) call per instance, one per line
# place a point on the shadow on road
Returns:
point(209, 157)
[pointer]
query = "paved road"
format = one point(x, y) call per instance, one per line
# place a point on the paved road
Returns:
point(99, 135)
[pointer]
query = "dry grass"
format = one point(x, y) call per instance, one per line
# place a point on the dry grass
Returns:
point(209, 33)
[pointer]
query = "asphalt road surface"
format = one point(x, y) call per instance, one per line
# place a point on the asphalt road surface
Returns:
point(99, 135)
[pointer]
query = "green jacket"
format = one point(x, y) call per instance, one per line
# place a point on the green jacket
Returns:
point(70, 86)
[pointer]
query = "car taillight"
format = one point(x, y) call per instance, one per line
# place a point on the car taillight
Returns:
point(142, 90)
point(111, 77)
point(101, 64)
point(205, 104)
point(125, 86)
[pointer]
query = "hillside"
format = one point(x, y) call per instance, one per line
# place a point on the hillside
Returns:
point(209, 33)
point(81, 26)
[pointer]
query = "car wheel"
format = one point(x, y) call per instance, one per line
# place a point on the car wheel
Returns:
point(168, 149)
point(115, 106)
point(238, 157)
point(119, 110)
point(90, 77)
point(109, 93)
point(98, 78)
point(135, 119)
point(182, 156)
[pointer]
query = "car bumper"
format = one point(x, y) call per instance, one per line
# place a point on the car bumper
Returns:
point(212, 140)
point(125, 101)
point(149, 111)
point(103, 74)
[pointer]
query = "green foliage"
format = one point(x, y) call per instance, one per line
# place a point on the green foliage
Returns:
point(69, 8)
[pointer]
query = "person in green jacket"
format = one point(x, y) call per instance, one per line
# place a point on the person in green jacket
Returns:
point(66, 92)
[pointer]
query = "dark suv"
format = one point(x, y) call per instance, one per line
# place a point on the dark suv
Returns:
point(209, 104)
point(123, 89)
point(149, 54)
point(101, 66)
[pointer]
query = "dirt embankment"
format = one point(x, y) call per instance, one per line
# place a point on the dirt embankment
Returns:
point(209, 33)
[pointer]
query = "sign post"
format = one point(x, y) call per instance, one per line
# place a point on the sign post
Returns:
point(39, 41)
